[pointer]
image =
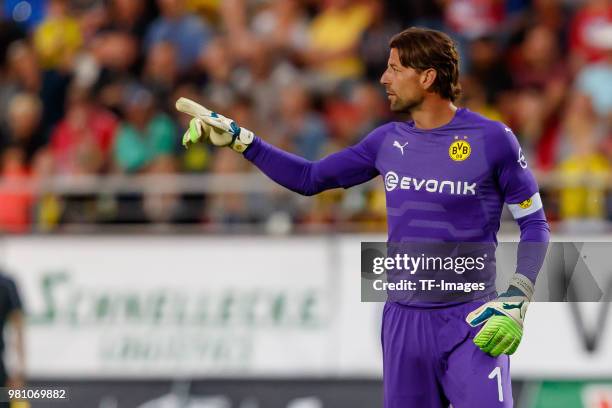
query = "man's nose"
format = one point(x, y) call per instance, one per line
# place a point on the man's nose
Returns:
point(383, 78)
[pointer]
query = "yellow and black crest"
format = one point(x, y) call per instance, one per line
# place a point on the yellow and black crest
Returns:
point(526, 204)
point(460, 149)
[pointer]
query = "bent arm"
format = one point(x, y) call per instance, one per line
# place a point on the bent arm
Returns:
point(348, 167)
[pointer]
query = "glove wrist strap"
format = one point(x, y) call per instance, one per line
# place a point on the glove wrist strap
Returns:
point(242, 141)
point(523, 283)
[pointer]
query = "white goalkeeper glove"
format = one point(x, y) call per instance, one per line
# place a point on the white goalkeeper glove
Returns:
point(503, 318)
point(206, 124)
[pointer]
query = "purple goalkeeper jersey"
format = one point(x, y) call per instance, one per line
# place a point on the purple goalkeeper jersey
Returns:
point(447, 184)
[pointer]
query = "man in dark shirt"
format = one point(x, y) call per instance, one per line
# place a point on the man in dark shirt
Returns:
point(11, 312)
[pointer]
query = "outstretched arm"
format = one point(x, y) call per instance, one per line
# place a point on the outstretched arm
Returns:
point(348, 167)
point(351, 166)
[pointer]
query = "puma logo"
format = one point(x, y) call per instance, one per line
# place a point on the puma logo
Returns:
point(399, 146)
point(518, 306)
point(509, 306)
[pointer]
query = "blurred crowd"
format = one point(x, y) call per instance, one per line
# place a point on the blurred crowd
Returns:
point(88, 88)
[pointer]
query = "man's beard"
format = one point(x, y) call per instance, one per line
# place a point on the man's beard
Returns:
point(408, 106)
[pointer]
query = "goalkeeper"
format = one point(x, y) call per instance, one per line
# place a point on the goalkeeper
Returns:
point(447, 173)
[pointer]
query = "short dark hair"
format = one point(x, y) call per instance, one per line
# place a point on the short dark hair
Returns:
point(422, 48)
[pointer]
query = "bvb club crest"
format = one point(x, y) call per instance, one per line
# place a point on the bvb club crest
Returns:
point(460, 149)
point(526, 204)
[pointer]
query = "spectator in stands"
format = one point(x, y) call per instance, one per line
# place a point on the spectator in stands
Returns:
point(466, 20)
point(583, 167)
point(145, 143)
point(91, 15)
point(303, 129)
point(587, 18)
point(538, 65)
point(128, 15)
point(474, 97)
point(10, 32)
point(81, 142)
point(423, 13)
point(595, 80)
point(145, 135)
point(540, 83)
point(488, 66)
point(115, 54)
point(24, 71)
point(374, 42)
point(48, 208)
point(553, 15)
point(343, 119)
point(371, 107)
point(474, 18)
point(595, 83)
point(262, 78)
point(218, 65)
point(115, 50)
point(187, 32)
point(58, 37)
point(15, 198)
point(12, 316)
point(334, 35)
point(586, 166)
point(282, 25)
point(351, 118)
point(26, 75)
point(20, 141)
point(161, 70)
point(22, 127)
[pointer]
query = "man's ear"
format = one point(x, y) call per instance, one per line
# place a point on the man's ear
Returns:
point(428, 77)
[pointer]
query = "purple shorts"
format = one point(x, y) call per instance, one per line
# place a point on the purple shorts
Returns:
point(430, 361)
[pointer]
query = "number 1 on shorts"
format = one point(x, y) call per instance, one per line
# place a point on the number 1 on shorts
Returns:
point(497, 373)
